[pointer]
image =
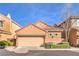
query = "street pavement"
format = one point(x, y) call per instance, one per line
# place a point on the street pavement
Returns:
point(4, 52)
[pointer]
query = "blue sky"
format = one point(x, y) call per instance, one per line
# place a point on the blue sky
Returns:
point(31, 13)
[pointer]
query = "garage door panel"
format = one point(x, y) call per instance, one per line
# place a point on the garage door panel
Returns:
point(30, 41)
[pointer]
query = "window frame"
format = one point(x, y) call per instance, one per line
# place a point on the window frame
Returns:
point(1, 24)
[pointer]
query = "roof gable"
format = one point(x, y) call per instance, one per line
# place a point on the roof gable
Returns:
point(30, 30)
point(42, 25)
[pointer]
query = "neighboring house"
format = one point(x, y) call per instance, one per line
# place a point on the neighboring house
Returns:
point(7, 27)
point(38, 34)
point(72, 23)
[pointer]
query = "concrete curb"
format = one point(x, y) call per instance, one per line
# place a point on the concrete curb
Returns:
point(58, 49)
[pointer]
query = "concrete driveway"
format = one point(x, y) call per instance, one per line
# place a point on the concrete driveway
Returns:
point(4, 52)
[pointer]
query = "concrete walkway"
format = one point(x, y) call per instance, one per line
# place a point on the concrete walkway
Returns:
point(17, 49)
point(26, 49)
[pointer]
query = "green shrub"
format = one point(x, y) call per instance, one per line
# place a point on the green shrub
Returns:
point(64, 45)
point(10, 43)
point(2, 43)
point(50, 45)
point(60, 45)
point(53, 45)
point(6, 43)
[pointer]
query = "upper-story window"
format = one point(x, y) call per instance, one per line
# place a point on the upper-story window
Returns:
point(1, 24)
point(77, 22)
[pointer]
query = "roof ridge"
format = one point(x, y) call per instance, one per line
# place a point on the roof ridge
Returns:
point(43, 23)
point(38, 27)
point(71, 17)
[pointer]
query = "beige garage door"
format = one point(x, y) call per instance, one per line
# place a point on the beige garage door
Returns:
point(30, 41)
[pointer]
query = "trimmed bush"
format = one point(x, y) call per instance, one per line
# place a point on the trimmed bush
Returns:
point(10, 43)
point(2, 43)
point(60, 45)
point(64, 45)
point(6, 43)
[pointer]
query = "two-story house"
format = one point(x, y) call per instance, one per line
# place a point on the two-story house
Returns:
point(72, 26)
point(7, 27)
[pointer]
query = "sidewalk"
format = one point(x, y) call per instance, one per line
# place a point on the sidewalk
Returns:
point(26, 49)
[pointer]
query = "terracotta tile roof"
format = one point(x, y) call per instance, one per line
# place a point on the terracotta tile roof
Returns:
point(28, 25)
point(70, 18)
point(74, 17)
point(44, 25)
point(55, 29)
point(49, 28)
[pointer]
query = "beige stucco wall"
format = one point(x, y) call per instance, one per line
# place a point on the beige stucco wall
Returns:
point(13, 28)
point(56, 38)
point(9, 27)
point(6, 23)
point(5, 36)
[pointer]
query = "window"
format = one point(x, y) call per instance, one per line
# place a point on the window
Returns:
point(52, 35)
point(1, 24)
point(77, 22)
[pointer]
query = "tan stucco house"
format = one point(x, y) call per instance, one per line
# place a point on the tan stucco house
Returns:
point(38, 34)
point(7, 27)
